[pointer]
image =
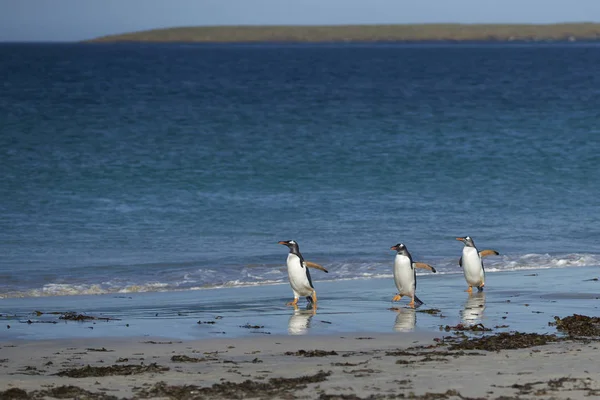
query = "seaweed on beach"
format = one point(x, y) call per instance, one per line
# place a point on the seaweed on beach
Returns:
point(448, 394)
point(89, 371)
point(275, 387)
point(578, 325)
point(349, 364)
point(429, 353)
point(504, 341)
point(61, 392)
point(14, 394)
point(155, 342)
point(30, 370)
point(73, 316)
point(248, 326)
point(553, 384)
point(311, 353)
point(464, 327)
point(567, 383)
point(432, 311)
point(184, 358)
point(73, 392)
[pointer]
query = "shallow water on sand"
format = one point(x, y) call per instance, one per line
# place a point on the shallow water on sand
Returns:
point(513, 301)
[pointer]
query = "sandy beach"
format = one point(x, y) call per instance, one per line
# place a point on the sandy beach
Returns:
point(324, 367)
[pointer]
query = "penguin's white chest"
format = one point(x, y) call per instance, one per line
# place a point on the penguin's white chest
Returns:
point(404, 275)
point(472, 266)
point(298, 277)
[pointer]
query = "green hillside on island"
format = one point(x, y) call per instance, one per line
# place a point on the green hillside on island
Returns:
point(364, 33)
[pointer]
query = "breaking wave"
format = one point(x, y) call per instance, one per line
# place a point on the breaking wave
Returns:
point(270, 274)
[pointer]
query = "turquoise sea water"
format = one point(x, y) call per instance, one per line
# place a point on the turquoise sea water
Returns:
point(169, 167)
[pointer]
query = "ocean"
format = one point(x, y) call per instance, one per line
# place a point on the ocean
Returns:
point(178, 167)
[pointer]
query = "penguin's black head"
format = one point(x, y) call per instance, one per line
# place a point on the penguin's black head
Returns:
point(291, 244)
point(400, 248)
point(467, 241)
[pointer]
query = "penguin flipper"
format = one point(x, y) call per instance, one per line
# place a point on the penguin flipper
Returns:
point(460, 261)
point(488, 252)
point(315, 266)
point(424, 266)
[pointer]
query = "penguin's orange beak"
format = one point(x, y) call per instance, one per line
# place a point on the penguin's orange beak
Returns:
point(461, 239)
point(394, 248)
point(282, 242)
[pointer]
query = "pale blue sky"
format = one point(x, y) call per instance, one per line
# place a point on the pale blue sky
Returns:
point(72, 20)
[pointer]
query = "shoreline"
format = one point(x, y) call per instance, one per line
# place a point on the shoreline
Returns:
point(523, 301)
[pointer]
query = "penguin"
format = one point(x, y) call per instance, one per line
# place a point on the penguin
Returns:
point(405, 274)
point(472, 263)
point(299, 276)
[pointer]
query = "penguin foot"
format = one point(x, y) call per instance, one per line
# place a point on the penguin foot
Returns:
point(470, 289)
point(397, 298)
point(293, 303)
point(314, 298)
point(412, 303)
point(480, 288)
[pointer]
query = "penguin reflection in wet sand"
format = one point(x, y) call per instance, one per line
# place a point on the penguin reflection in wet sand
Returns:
point(299, 275)
point(472, 263)
point(405, 274)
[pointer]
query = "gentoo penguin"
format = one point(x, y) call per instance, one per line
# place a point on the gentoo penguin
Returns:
point(299, 275)
point(472, 263)
point(405, 274)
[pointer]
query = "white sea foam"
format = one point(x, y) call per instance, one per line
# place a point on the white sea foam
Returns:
point(199, 279)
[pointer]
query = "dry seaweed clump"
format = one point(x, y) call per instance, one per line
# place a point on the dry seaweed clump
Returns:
point(465, 327)
point(14, 393)
point(578, 325)
point(89, 371)
point(311, 353)
point(275, 387)
point(504, 341)
point(73, 392)
point(73, 316)
point(184, 358)
point(61, 392)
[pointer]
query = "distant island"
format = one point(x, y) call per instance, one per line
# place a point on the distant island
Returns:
point(364, 33)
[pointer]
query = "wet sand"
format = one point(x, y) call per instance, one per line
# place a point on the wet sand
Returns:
point(519, 300)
